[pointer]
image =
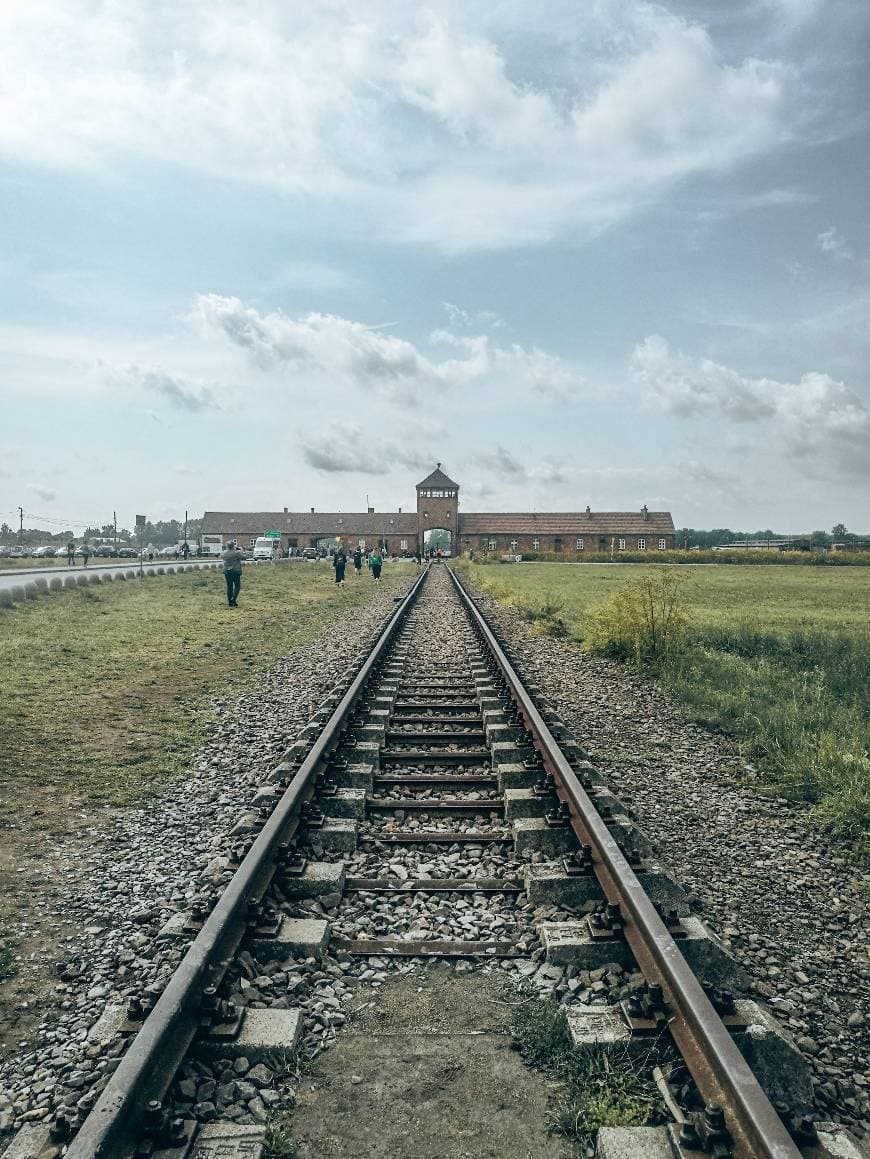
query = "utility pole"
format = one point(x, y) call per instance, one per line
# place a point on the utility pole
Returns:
point(185, 525)
point(115, 525)
point(20, 524)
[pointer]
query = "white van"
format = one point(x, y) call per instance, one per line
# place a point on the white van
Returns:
point(211, 544)
point(265, 547)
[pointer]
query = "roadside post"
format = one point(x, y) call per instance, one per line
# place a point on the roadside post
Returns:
point(140, 532)
point(276, 535)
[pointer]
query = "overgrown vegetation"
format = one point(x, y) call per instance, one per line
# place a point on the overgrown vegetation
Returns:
point(776, 658)
point(644, 621)
point(600, 1086)
point(649, 558)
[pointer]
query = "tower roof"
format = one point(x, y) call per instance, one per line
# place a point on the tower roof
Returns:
point(438, 479)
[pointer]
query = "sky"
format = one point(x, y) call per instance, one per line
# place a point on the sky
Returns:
point(258, 254)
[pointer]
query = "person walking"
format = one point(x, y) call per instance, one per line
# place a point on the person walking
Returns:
point(86, 553)
point(185, 550)
point(418, 556)
point(375, 562)
point(357, 562)
point(232, 558)
point(339, 562)
point(70, 553)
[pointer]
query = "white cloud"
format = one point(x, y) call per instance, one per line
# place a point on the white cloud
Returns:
point(429, 125)
point(182, 392)
point(346, 448)
point(46, 493)
point(182, 469)
point(508, 467)
point(820, 422)
point(375, 361)
point(832, 243)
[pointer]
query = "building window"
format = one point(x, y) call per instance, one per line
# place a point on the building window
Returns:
point(641, 545)
point(492, 544)
point(361, 543)
point(513, 545)
point(403, 545)
point(579, 544)
point(557, 544)
point(536, 543)
point(663, 545)
point(622, 545)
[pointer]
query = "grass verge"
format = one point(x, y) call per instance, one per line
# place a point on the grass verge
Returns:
point(599, 1086)
point(111, 684)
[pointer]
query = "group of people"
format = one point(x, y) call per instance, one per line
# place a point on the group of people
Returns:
point(232, 558)
point(374, 560)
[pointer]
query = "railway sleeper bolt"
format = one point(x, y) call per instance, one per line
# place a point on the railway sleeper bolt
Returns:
point(607, 921)
point(337, 765)
point(60, 1130)
point(135, 1009)
point(559, 817)
point(802, 1130)
point(646, 1009)
point(294, 864)
point(578, 863)
point(545, 785)
point(722, 1000)
point(705, 1131)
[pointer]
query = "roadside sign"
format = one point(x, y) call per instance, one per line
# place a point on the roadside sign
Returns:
point(271, 534)
point(140, 521)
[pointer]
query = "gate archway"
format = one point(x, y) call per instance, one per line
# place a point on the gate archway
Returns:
point(437, 539)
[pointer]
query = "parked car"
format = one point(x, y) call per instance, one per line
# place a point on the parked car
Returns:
point(310, 553)
point(127, 552)
point(45, 552)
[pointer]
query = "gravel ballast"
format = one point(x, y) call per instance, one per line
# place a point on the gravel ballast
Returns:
point(789, 905)
point(119, 891)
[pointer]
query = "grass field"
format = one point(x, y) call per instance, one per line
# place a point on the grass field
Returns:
point(107, 687)
point(777, 657)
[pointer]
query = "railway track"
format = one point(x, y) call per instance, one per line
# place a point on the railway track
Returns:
point(432, 810)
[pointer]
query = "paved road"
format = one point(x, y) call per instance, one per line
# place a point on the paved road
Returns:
point(21, 575)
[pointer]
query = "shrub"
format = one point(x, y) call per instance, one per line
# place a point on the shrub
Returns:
point(644, 621)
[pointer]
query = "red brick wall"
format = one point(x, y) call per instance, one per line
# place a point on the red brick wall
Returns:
point(550, 543)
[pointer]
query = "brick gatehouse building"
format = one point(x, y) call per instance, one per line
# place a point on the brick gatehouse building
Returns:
point(401, 532)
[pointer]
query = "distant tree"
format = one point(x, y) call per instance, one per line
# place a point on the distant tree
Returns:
point(6, 533)
point(820, 539)
point(839, 531)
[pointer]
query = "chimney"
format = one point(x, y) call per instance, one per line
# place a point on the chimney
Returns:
point(588, 509)
point(644, 511)
point(312, 510)
point(400, 510)
point(371, 511)
point(285, 510)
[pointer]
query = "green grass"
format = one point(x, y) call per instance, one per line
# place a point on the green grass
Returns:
point(108, 686)
point(599, 1086)
point(779, 658)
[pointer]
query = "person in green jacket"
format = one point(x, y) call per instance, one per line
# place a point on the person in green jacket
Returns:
point(376, 562)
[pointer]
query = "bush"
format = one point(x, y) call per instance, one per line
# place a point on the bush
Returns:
point(645, 621)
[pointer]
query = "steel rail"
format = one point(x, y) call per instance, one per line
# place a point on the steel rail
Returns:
point(718, 1068)
point(114, 1125)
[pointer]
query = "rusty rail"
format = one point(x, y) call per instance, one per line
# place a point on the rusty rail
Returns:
point(716, 1065)
point(113, 1127)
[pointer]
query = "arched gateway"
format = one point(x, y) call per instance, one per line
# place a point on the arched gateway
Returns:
point(404, 532)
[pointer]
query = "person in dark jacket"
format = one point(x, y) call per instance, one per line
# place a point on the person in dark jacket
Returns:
point(232, 558)
point(339, 562)
point(357, 562)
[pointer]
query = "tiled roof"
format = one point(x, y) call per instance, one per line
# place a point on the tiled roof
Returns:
point(438, 479)
point(566, 523)
point(324, 523)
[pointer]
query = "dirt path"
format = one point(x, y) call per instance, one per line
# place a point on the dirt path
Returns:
point(426, 1069)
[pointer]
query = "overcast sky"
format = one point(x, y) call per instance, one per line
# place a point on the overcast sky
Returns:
point(259, 254)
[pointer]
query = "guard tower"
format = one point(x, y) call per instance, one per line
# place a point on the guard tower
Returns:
point(438, 506)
